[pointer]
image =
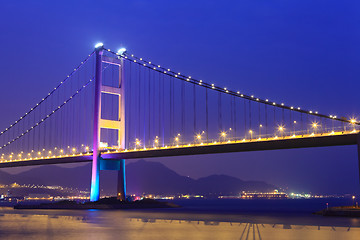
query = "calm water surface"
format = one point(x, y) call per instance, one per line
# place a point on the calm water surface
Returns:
point(198, 219)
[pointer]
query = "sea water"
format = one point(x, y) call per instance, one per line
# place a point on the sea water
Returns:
point(197, 219)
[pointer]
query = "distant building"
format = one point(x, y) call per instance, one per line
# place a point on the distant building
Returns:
point(38, 196)
point(258, 195)
point(269, 195)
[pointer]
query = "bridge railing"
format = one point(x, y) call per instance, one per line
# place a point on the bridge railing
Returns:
point(228, 137)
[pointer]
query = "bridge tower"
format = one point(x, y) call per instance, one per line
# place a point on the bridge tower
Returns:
point(98, 163)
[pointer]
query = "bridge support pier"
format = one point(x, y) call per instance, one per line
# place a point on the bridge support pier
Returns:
point(117, 165)
point(121, 187)
point(358, 145)
point(95, 179)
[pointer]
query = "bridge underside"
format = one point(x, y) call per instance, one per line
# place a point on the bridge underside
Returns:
point(323, 141)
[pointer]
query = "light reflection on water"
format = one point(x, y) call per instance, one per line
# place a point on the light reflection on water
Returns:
point(169, 224)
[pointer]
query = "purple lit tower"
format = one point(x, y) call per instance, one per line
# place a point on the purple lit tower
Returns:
point(98, 163)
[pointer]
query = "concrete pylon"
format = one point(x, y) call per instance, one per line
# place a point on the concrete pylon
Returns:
point(95, 172)
point(121, 187)
point(100, 123)
point(358, 145)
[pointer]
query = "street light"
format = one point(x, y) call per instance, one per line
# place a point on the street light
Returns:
point(353, 198)
point(260, 126)
point(156, 142)
point(137, 142)
point(251, 132)
point(223, 135)
point(353, 121)
point(281, 130)
point(314, 125)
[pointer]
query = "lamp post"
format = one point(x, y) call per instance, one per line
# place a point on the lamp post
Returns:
point(260, 126)
point(315, 125)
point(281, 130)
point(177, 139)
point(353, 198)
point(198, 137)
point(156, 142)
point(137, 143)
point(223, 135)
point(353, 121)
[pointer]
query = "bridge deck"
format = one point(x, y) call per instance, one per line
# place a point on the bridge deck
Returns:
point(256, 145)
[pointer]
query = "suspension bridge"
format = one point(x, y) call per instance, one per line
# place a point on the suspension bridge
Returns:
point(115, 106)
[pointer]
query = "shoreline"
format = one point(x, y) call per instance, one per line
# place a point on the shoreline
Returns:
point(341, 211)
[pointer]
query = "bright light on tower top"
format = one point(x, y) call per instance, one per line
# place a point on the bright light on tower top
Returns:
point(121, 51)
point(99, 45)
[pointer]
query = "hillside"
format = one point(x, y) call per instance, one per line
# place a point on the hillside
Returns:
point(142, 177)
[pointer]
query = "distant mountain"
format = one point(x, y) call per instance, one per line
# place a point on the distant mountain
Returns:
point(154, 177)
point(223, 184)
point(142, 177)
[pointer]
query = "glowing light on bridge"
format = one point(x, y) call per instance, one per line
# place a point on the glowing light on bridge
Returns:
point(223, 135)
point(99, 45)
point(121, 51)
point(200, 143)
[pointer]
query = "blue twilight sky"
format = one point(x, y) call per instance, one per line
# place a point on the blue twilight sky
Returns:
point(305, 53)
